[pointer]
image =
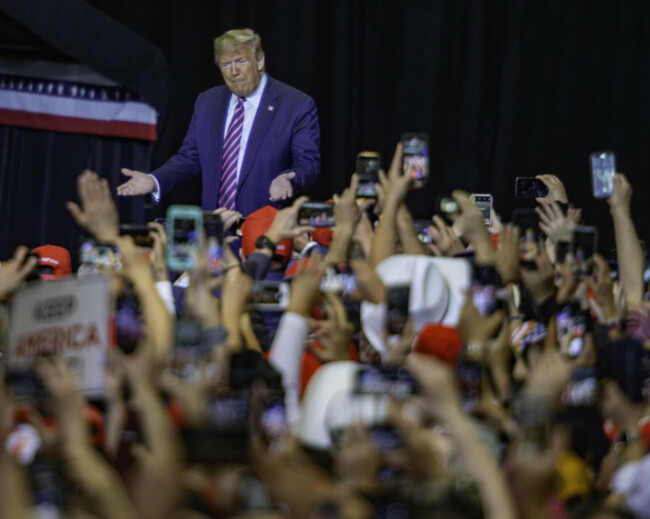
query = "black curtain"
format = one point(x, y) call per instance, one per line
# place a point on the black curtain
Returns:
point(504, 88)
point(38, 168)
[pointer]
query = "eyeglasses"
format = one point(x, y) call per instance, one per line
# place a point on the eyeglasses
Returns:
point(228, 65)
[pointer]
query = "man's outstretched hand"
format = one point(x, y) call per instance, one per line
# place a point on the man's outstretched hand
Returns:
point(139, 184)
point(281, 188)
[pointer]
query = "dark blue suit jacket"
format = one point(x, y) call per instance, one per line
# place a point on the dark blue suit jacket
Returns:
point(285, 136)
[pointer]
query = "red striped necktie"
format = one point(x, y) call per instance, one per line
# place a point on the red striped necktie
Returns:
point(228, 188)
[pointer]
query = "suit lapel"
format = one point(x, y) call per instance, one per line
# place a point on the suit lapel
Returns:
point(265, 113)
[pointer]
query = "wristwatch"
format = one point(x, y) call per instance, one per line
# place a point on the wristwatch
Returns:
point(263, 242)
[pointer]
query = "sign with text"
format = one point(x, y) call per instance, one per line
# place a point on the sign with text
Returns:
point(68, 318)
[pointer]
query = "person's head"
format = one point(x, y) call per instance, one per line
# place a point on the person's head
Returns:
point(239, 55)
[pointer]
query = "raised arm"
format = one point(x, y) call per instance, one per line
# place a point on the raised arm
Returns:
point(628, 249)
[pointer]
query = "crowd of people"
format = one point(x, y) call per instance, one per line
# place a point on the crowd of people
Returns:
point(478, 375)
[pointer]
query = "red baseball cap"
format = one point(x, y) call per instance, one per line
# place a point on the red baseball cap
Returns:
point(437, 340)
point(256, 224)
point(56, 258)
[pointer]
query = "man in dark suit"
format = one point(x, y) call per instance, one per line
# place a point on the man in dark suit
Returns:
point(254, 140)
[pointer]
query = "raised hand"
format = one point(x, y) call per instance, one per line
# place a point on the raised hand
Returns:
point(98, 212)
point(139, 183)
point(14, 271)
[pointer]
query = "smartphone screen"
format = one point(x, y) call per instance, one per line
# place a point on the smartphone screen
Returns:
point(398, 383)
point(397, 313)
point(603, 169)
point(129, 327)
point(213, 226)
point(448, 205)
point(273, 419)
point(468, 376)
point(483, 203)
point(316, 214)
point(571, 328)
point(583, 247)
point(422, 228)
point(415, 161)
point(530, 187)
point(184, 231)
point(487, 298)
point(98, 257)
point(339, 282)
point(582, 389)
point(527, 221)
point(367, 169)
point(269, 295)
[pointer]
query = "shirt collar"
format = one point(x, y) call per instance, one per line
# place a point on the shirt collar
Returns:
point(254, 97)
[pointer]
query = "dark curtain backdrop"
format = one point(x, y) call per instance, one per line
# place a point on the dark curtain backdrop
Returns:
point(504, 88)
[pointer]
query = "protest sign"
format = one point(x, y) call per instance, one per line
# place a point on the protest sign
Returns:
point(68, 318)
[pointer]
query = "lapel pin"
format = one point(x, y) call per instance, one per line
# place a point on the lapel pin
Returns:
point(270, 108)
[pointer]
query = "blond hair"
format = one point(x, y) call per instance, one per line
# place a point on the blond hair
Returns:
point(235, 39)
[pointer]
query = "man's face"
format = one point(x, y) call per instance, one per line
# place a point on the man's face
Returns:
point(240, 70)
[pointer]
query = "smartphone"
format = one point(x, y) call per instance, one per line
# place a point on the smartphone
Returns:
point(527, 221)
point(273, 419)
point(367, 168)
point(487, 298)
point(468, 377)
point(422, 228)
point(213, 226)
point(582, 389)
point(24, 385)
point(415, 161)
point(447, 205)
point(269, 295)
point(483, 203)
point(139, 232)
point(338, 282)
point(129, 325)
point(397, 312)
point(99, 257)
point(530, 187)
point(184, 236)
point(603, 169)
point(561, 250)
point(396, 382)
point(571, 328)
point(583, 246)
point(316, 214)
